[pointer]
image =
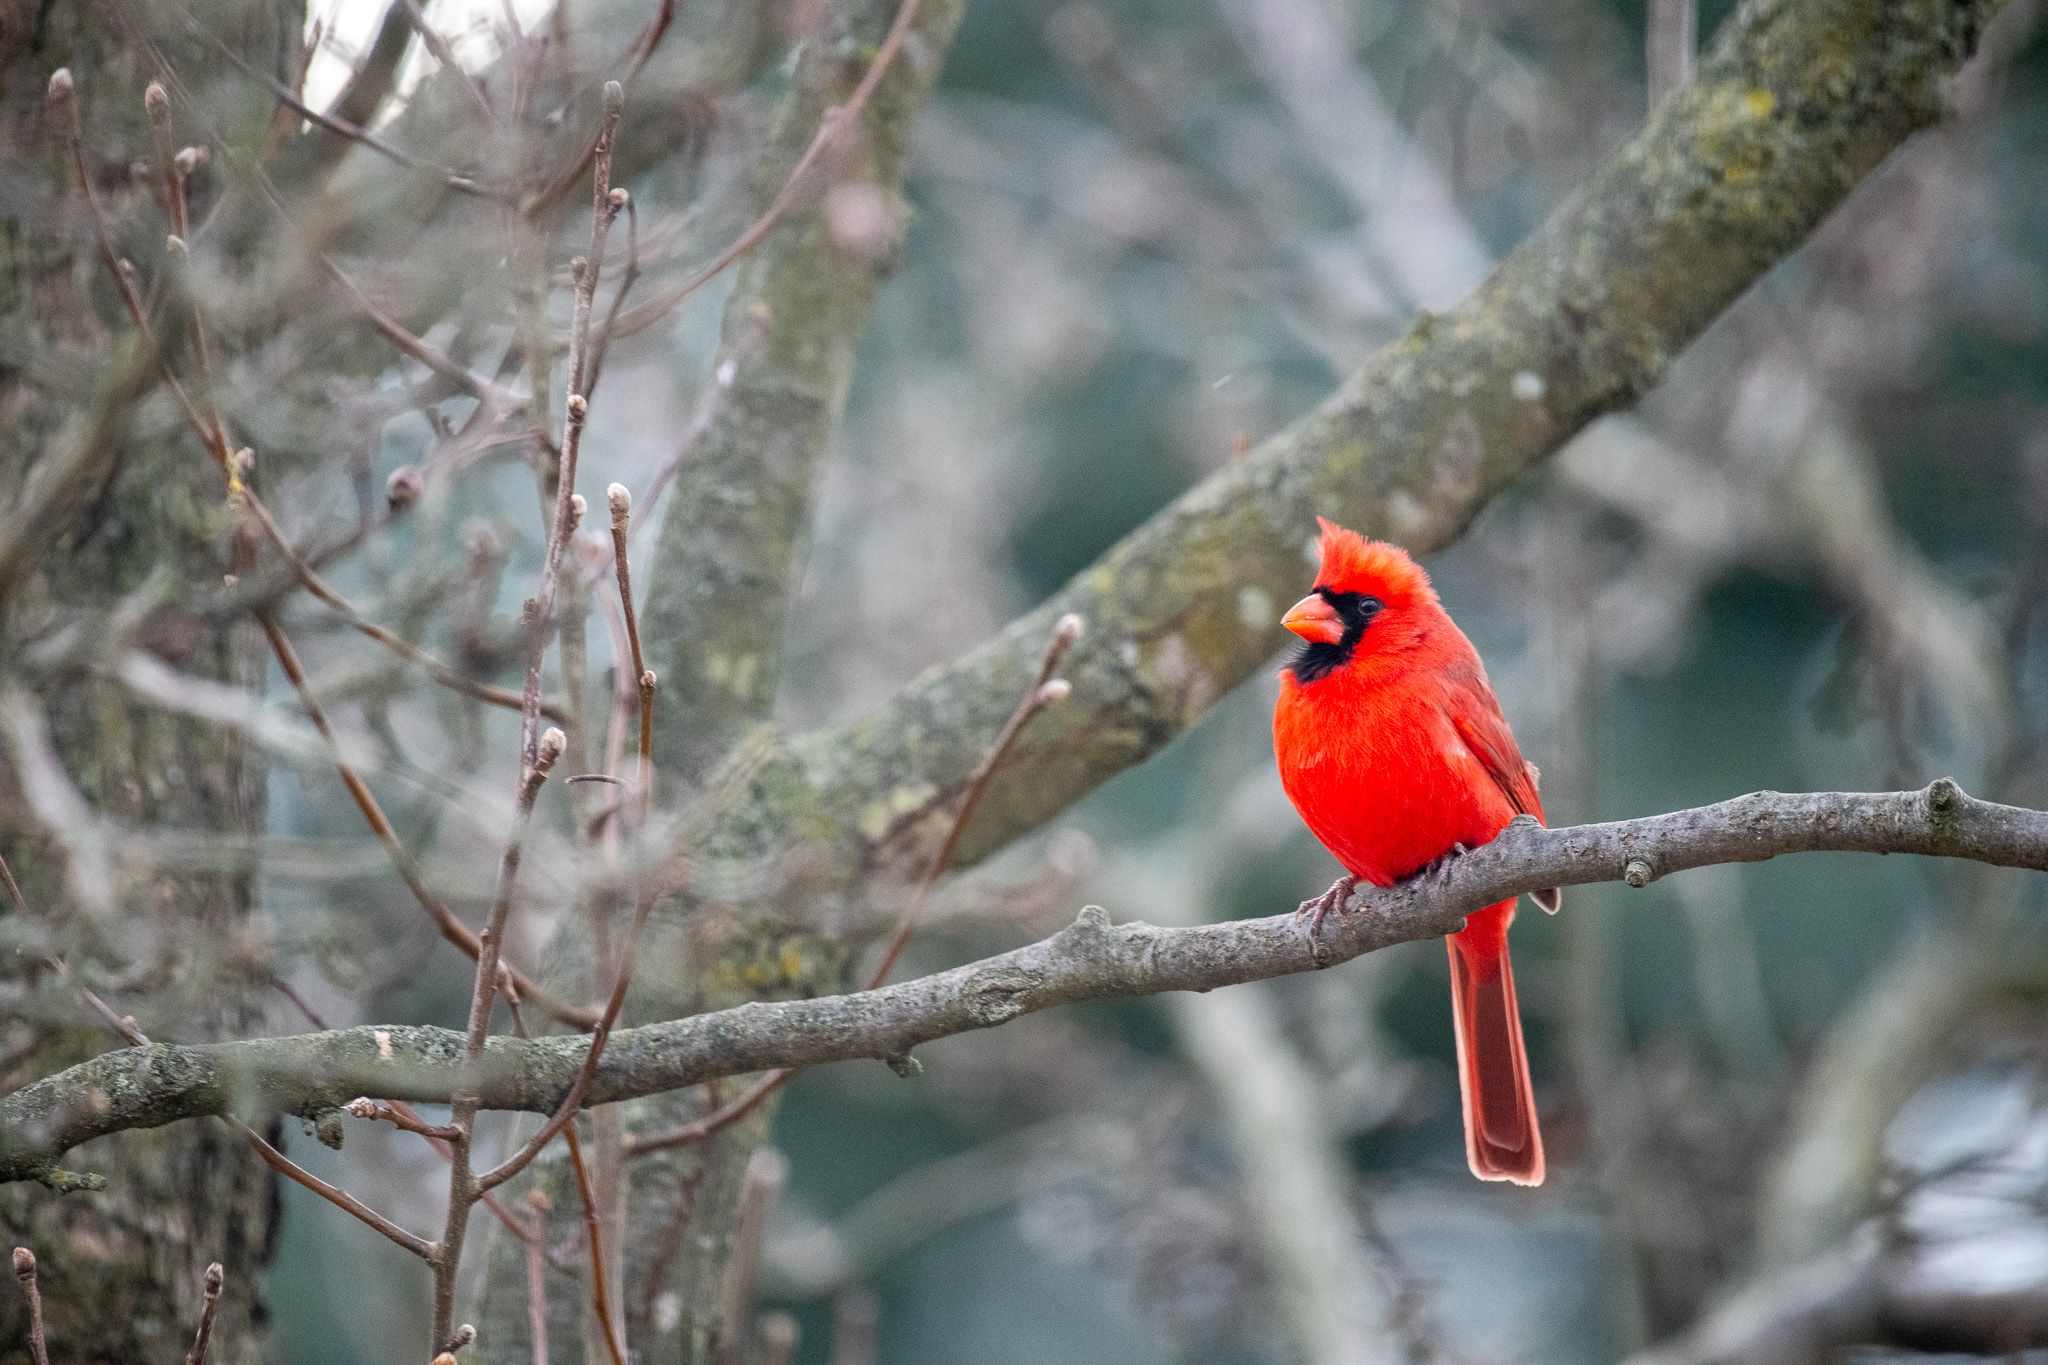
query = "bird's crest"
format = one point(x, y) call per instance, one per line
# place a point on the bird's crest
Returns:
point(1374, 568)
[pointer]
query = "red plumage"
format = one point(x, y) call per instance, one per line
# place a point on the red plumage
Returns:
point(1394, 750)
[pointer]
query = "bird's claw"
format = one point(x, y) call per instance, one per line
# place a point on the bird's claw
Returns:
point(1319, 907)
point(1440, 867)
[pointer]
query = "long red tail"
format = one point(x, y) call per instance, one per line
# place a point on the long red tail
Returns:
point(1502, 1141)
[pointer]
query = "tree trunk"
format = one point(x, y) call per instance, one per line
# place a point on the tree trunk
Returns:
point(121, 1268)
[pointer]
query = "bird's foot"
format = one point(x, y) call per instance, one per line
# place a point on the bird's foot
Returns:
point(1319, 907)
point(1438, 868)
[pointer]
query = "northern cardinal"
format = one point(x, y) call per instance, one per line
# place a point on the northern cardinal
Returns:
point(1394, 751)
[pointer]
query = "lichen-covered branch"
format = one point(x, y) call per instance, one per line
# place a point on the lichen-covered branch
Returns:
point(1794, 104)
point(313, 1075)
point(740, 506)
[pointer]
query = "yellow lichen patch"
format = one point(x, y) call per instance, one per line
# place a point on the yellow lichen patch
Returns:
point(1760, 103)
point(877, 816)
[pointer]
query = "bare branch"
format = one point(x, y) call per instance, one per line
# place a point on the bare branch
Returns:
point(1863, 1297)
point(1089, 960)
point(210, 1304)
point(25, 1271)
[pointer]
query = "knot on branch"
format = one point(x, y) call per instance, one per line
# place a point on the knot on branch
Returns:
point(1000, 997)
point(325, 1126)
point(1944, 801)
point(1639, 872)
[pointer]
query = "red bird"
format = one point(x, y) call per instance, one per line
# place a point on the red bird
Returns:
point(1393, 749)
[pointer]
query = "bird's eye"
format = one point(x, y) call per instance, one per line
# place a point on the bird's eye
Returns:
point(1356, 609)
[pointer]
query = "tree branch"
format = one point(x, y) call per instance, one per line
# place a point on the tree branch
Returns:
point(1863, 1297)
point(313, 1074)
point(727, 552)
point(1791, 108)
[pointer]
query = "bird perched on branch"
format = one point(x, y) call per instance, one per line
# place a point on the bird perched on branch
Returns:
point(1394, 751)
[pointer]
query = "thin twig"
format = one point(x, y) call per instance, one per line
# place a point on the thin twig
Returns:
point(1046, 689)
point(171, 170)
point(341, 127)
point(488, 979)
point(25, 1271)
point(120, 1023)
point(298, 1002)
point(761, 1186)
point(438, 46)
point(542, 202)
point(604, 208)
point(622, 982)
point(63, 105)
point(462, 1187)
point(399, 1116)
point(722, 380)
point(284, 122)
point(214, 435)
point(621, 502)
point(537, 1200)
point(600, 1294)
point(602, 346)
point(835, 119)
point(649, 38)
point(538, 753)
point(476, 386)
point(208, 1307)
point(538, 1204)
point(669, 1241)
point(271, 1156)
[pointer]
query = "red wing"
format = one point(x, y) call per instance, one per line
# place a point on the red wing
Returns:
point(1475, 715)
point(1477, 718)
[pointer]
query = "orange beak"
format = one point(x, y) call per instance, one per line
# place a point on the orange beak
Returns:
point(1314, 620)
